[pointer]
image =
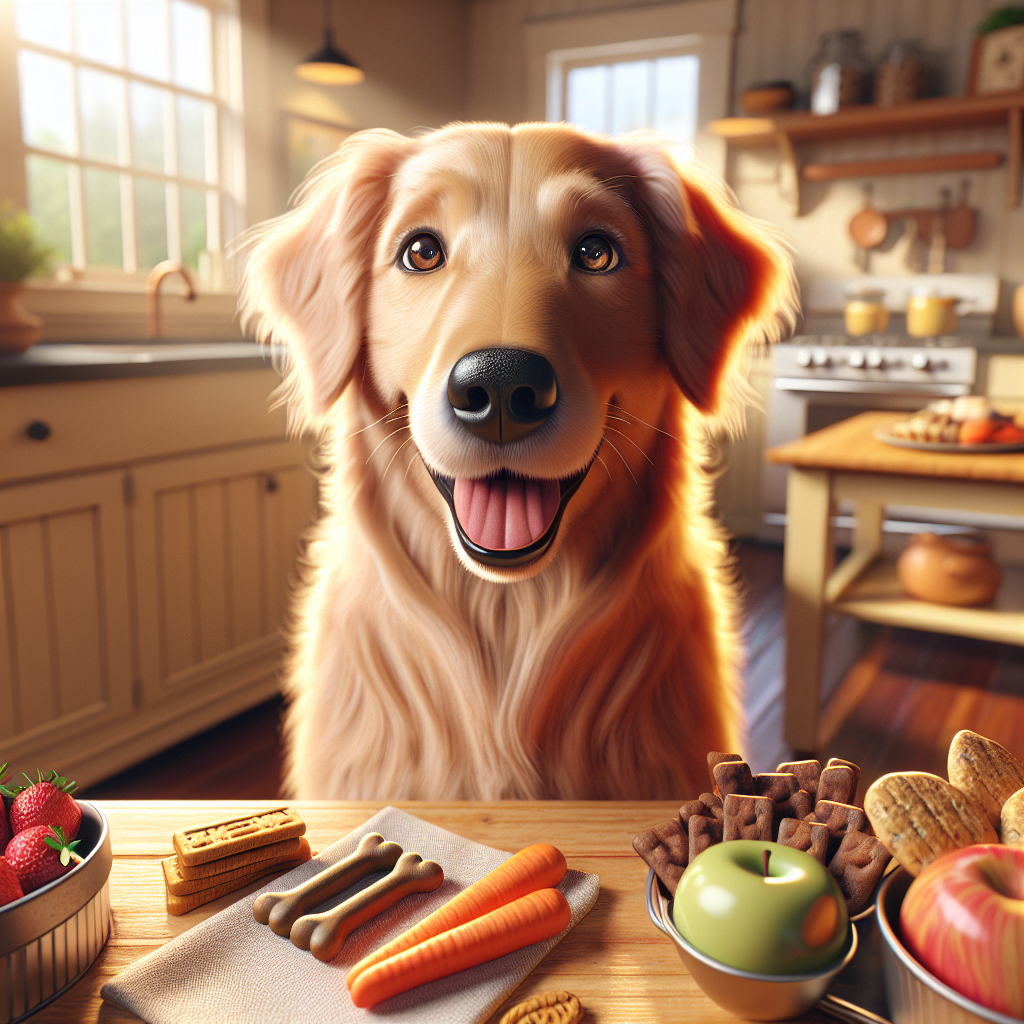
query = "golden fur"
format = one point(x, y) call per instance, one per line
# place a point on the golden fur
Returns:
point(609, 666)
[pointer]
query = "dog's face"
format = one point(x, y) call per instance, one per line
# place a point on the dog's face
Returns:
point(525, 295)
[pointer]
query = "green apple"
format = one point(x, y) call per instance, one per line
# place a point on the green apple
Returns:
point(791, 921)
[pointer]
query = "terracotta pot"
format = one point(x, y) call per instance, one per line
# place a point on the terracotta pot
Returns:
point(1018, 309)
point(949, 570)
point(19, 329)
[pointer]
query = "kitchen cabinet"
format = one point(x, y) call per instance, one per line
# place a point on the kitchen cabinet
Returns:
point(147, 542)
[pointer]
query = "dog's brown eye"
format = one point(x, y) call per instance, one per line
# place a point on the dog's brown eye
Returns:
point(424, 252)
point(596, 254)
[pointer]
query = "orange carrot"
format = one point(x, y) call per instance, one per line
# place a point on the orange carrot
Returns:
point(537, 867)
point(537, 916)
point(977, 431)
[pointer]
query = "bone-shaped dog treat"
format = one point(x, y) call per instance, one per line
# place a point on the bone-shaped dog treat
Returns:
point(281, 909)
point(324, 934)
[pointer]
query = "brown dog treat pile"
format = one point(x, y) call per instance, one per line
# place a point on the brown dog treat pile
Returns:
point(985, 770)
point(799, 805)
point(807, 773)
point(858, 866)
point(837, 762)
point(707, 804)
point(838, 784)
point(665, 848)
point(810, 836)
point(704, 832)
point(839, 819)
point(777, 786)
point(1011, 820)
point(548, 1008)
point(748, 817)
point(734, 777)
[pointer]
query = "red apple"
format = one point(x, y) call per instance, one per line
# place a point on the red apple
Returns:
point(963, 918)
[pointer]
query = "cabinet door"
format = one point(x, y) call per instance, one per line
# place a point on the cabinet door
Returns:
point(65, 652)
point(216, 537)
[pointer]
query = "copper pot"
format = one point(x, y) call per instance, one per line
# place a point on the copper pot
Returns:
point(952, 569)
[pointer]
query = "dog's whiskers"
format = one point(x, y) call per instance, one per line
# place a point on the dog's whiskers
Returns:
point(411, 461)
point(395, 456)
point(624, 462)
point(606, 469)
point(405, 405)
point(631, 441)
point(388, 438)
point(644, 422)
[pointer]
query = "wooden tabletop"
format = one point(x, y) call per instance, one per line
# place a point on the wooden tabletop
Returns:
point(851, 446)
point(618, 964)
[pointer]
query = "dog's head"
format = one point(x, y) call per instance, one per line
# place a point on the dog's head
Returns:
point(520, 292)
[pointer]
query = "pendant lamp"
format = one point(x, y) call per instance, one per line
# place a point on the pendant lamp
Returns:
point(329, 66)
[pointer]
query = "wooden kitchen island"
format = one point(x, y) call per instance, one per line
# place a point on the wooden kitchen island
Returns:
point(622, 969)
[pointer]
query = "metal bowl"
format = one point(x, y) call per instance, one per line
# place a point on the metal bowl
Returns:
point(50, 938)
point(748, 995)
point(915, 996)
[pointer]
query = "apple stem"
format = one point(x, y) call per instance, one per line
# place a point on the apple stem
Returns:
point(764, 861)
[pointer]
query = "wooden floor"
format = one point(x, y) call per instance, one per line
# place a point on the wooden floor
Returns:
point(894, 698)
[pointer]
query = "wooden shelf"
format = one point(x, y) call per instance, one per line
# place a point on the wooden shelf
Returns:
point(789, 129)
point(875, 595)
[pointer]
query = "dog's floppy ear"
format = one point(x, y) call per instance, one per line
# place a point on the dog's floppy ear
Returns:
point(304, 280)
point(725, 280)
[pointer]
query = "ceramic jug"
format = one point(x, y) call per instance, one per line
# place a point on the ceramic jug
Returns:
point(953, 569)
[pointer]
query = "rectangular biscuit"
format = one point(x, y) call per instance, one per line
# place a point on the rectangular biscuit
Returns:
point(707, 804)
point(777, 786)
point(810, 836)
point(807, 772)
point(840, 819)
point(178, 905)
point(834, 762)
point(748, 817)
point(178, 884)
point(716, 757)
point(665, 849)
point(858, 866)
point(281, 850)
point(799, 805)
point(225, 838)
point(704, 832)
point(837, 783)
point(734, 777)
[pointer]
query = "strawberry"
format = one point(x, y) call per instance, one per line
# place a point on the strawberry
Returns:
point(46, 802)
point(10, 887)
point(39, 855)
point(5, 827)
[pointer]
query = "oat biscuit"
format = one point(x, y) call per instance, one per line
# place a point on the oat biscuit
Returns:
point(857, 867)
point(810, 836)
point(704, 832)
point(548, 1008)
point(734, 777)
point(707, 804)
point(920, 817)
point(748, 817)
point(281, 850)
point(178, 884)
point(807, 773)
point(224, 838)
point(837, 783)
point(665, 848)
point(1011, 820)
point(985, 770)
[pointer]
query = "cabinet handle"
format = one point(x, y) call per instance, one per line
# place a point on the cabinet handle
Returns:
point(272, 484)
point(38, 430)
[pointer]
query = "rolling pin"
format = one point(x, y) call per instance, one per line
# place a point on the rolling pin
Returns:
point(324, 934)
point(281, 909)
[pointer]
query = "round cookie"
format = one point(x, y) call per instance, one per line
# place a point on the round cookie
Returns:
point(547, 1008)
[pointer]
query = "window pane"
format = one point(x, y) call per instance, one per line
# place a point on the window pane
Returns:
point(102, 216)
point(193, 225)
point(629, 96)
point(147, 38)
point(46, 109)
point(191, 138)
point(675, 96)
point(150, 222)
point(190, 35)
point(99, 31)
point(48, 203)
point(47, 22)
point(147, 108)
point(585, 99)
point(99, 96)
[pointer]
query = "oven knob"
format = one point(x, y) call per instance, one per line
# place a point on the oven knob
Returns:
point(856, 359)
point(875, 360)
point(821, 359)
point(803, 357)
point(919, 361)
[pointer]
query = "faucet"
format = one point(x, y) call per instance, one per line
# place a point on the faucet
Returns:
point(153, 282)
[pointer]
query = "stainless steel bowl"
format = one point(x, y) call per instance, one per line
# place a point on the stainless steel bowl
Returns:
point(915, 996)
point(748, 995)
point(50, 938)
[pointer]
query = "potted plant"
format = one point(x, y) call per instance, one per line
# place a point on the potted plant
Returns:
point(21, 255)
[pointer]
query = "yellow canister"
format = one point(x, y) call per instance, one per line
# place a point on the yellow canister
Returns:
point(865, 315)
point(931, 315)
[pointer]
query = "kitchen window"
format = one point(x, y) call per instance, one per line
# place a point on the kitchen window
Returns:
point(131, 132)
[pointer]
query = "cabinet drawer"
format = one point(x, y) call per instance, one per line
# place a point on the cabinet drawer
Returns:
point(109, 422)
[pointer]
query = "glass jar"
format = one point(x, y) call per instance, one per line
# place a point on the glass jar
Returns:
point(903, 74)
point(838, 72)
point(865, 312)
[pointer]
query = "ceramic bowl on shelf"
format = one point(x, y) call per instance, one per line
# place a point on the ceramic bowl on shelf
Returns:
point(915, 995)
point(50, 937)
point(748, 995)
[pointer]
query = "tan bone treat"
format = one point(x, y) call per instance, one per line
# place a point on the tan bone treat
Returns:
point(665, 848)
point(985, 770)
point(837, 783)
point(180, 884)
point(807, 773)
point(748, 817)
point(225, 838)
point(704, 832)
point(707, 804)
point(920, 817)
point(1011, 820)
point(857, 867)
point(810, 836)
point(734, 777)
point(548, 1008)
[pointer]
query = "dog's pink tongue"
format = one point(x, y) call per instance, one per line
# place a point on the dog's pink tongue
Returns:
point(505, 514)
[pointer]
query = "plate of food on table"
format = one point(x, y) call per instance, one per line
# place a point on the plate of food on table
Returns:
point(959, 425)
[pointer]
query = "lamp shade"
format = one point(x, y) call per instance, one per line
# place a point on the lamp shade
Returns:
point(329, 66)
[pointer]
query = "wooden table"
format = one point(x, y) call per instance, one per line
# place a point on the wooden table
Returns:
point(623, 970)
point(847, 462)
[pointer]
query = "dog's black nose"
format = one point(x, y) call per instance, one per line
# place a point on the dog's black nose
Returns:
point(502, 394)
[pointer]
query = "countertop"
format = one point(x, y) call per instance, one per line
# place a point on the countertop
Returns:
point(46, 363)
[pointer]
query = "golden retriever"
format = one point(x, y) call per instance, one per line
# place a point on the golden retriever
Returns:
point(515, 341)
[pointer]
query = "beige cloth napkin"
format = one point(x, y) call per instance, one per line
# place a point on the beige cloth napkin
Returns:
point(231, 970)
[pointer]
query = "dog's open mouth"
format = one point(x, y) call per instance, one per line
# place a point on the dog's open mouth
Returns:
point(505, 520)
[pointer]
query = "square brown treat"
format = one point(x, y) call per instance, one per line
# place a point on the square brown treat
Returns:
point(810, 836)
point(838, 784)
point(840, 819)
point(806, 771)
point(665, 848)
point(799, 805)
point(748, 817)
point(836, 762)
point(716, 757)
point(777, 786)
point(734, 777)
point(858, 866)
point(704, 832)
point(707, 804)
